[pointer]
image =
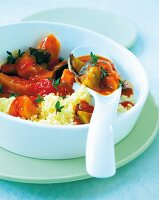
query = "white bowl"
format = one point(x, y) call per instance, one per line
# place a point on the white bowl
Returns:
point(63, 142)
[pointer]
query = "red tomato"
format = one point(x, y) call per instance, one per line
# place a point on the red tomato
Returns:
point(43, 87)
point(64, 89)
point(27, 68)
point(8, 68)
point(25, 65)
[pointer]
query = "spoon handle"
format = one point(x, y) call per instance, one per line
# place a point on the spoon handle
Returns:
point(100, 158)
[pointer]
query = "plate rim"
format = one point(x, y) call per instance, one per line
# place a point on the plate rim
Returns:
point(127, 45)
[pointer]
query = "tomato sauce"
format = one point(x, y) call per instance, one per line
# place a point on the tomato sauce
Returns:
point(127, 91)
point(83, 106)
point(127, 104)
point(38, 72)
point(110, 82)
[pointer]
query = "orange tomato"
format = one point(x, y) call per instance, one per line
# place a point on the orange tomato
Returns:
point(23, 107)
point(67, 77)
point(52, 45)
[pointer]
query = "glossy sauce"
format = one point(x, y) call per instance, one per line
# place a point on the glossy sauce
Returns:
point(83, 106)
point(127, 104)
point(110, 82)
point(127, 91)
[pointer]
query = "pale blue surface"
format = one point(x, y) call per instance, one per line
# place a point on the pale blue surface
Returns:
point(139, 179)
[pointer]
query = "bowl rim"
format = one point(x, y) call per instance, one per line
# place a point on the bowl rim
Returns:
point(142, 97)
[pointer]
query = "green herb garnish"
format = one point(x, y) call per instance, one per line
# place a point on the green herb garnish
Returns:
point(11, 59)
point(58, 106)
point(42, 57)
point(49, 78)
point(64, 97)
point(19, 54)
point(1, 89)
point(61, 59)
point(104, 73)
point(56, 83)
point(94, 58)
point(121, 82)
point(13, 95)
point(39, 99)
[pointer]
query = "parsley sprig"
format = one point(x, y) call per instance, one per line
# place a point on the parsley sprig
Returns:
point(41, 55)
point(94, 58)
point(20, 53)
point(58, 107)
point(56, 83)
point(13, 95)
point(11, 59)
point(64, 97)
point(1, 89)
point(61, 59)
point(122, 83)
point(104, 73)
point(39, 99)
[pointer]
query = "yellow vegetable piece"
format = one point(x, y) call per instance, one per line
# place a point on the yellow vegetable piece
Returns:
point(92, 77)
point(84, 116)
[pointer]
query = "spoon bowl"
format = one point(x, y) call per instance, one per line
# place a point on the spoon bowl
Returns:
point(100, 158)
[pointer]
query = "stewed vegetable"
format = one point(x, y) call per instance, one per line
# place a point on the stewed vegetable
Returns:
point(96, 72)
point(31, 75)
point(37, 85)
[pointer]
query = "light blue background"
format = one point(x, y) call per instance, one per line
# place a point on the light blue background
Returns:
point(138, 180)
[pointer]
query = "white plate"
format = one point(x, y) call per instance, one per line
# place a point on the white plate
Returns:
point(102, 21)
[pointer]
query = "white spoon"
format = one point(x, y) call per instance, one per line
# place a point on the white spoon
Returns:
point(100, 157)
